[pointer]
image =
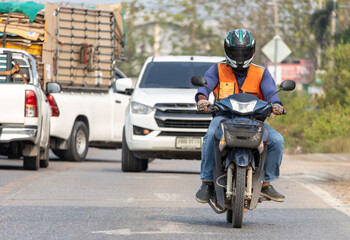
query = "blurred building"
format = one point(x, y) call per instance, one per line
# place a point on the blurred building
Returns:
point(302, 72)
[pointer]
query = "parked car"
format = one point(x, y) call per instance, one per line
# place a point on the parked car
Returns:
point(161, 120)
point(25, 118)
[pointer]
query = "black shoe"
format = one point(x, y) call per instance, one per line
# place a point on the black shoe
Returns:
point(271, 193)
point(204, 193)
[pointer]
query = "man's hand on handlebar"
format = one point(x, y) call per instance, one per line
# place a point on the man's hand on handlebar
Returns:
point(202, 105)
point(278, 109)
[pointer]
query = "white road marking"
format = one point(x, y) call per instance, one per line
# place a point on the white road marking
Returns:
point(167, 196)
point(152, 177)
point(128, 232)
point(325, 196)
point(168, 229)
point(158, 198)
point(124, 232)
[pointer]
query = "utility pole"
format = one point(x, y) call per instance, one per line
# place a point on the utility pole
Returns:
point(333, 30)
point(319, 50)
point(275, 10)
point(156, 45)
point(276, 18)
point(334, 21)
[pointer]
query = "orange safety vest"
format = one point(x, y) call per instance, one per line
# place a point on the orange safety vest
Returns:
point(228, 83)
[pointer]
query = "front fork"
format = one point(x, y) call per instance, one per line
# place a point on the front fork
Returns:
point(230, 182)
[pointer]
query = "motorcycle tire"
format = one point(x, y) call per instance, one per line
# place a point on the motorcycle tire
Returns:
point(229, 216)
point(238, 199)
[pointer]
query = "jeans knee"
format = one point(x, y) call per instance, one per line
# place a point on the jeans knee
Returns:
point(277, 141)
point(210, 133)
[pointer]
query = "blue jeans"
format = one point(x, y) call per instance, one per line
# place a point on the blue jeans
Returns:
point(273, 157)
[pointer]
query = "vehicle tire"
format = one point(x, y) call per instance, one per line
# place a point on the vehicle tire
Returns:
point(78, 143)
point(144, 163)
point(32, 163)
point(59, 153)
point(238, 198)
point(129, 162)
point(44, 157)
point(229, 216)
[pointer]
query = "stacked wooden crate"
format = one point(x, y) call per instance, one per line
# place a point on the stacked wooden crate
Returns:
point(25, 35)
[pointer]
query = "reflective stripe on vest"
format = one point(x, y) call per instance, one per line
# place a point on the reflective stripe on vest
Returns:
point(228, 83)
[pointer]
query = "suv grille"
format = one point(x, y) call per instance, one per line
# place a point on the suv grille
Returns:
point(184, 115)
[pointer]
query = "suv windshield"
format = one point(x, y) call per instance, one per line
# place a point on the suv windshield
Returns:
point(172, 74)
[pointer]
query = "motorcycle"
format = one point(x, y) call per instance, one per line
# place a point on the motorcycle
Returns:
point(240, 150)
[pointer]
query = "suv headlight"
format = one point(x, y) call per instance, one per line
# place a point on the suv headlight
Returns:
point(139, 108)
point(243, 107)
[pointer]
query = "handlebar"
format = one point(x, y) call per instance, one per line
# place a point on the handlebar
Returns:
point(211, 108)
point(278, 109)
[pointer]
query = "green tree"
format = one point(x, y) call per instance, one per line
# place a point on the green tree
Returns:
point(337, 77)
point(137, 38)
point(319, 24)
point(195, 35)
point(198, 27)
point(257, 16)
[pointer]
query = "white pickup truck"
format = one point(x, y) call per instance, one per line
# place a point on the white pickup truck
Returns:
point(79, 50)
point(81, 57)
point(25, 118)
point(162, 120)
point(88, 118)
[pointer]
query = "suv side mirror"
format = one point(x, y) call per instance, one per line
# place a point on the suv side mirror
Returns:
point(124, 85)
point(198, 81)
point(287, 85)
point(52, 87)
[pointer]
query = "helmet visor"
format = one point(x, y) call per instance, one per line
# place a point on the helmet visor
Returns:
point(239, 54)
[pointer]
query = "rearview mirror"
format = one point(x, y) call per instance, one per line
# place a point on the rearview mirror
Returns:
point(287, 85)
point(52, 87)
point(124, 85)
point(198, 81)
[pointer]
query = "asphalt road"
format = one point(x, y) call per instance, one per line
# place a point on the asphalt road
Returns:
point(96, 200)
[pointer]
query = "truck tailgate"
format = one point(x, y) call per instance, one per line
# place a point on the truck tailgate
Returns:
point(12, 98)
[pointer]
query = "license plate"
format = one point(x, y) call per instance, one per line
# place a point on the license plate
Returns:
point(188, 143)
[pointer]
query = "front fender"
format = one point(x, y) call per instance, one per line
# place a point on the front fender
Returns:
point(241, 156)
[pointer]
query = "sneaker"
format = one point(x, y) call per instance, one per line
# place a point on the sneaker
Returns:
point(204, 193)
point(271, 193)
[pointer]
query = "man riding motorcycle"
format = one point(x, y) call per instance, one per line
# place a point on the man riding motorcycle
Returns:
point(239, 75)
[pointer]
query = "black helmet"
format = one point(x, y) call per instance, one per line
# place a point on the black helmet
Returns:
point(239, 48)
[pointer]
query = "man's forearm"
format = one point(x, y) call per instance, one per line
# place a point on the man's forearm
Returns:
point(201, 97)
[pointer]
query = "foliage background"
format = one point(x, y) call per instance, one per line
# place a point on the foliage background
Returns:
point(320, 123)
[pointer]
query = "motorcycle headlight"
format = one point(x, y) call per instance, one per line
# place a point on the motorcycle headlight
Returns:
point(243, 107)
point(139, 108)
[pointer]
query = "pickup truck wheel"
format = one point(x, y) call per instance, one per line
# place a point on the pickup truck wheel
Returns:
point(129, 162)
point(44, 157)
point(32, 163)
point(144, 163)
point(79, 143)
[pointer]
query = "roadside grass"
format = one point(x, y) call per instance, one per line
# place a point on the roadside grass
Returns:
point(309, 127)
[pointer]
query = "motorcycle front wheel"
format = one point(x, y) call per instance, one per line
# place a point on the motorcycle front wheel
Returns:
point(238, 198)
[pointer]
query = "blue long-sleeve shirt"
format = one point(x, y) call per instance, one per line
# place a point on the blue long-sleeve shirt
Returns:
point(267, 85)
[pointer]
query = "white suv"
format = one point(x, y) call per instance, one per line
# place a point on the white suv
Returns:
point(162, 120)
